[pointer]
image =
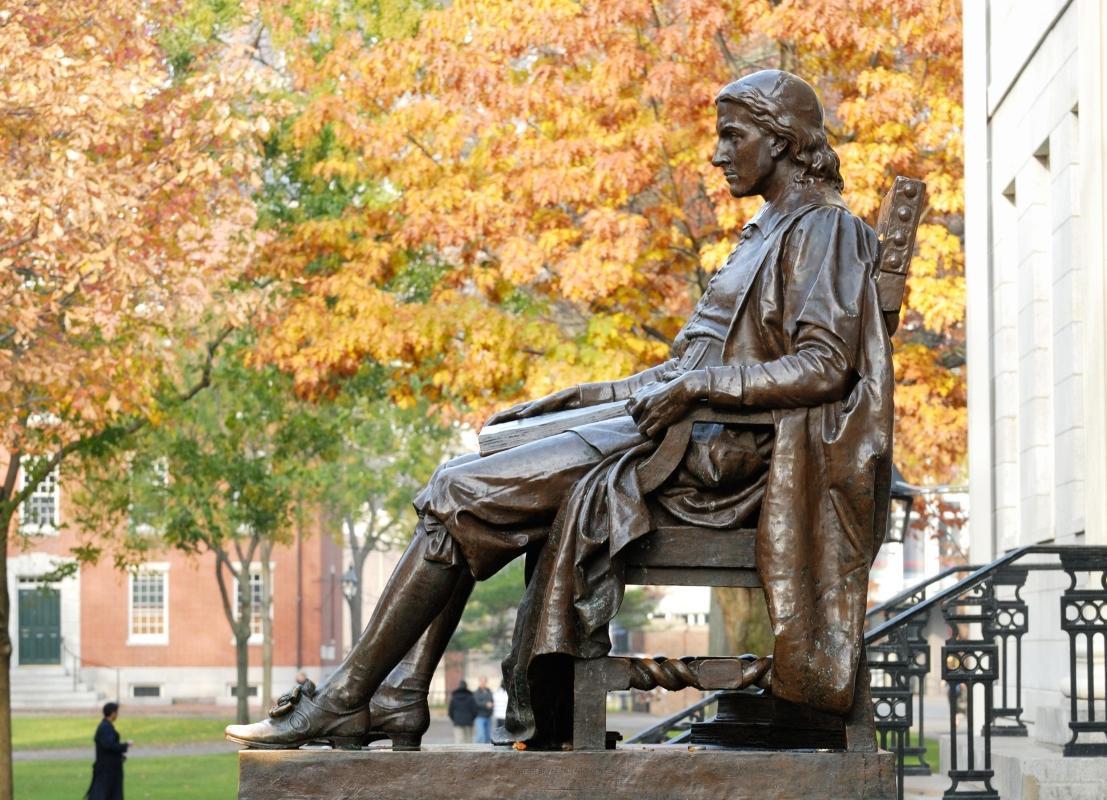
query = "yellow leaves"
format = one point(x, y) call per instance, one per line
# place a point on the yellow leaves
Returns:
point(713, 256)
point(931, 416)
point(552, 159)
point(521, 260)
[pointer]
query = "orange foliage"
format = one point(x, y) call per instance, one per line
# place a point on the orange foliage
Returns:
point(547, 163)
point(124, 206)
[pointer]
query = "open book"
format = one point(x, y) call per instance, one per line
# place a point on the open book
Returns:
point(504, 436)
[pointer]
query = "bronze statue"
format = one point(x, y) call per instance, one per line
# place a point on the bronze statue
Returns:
point(791, 324)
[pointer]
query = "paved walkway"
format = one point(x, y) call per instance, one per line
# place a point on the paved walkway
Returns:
point(87, 753)
point(441, 732)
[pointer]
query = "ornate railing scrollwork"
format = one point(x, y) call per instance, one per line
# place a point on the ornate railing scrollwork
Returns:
point(1083, 618)
point(890, 684)
point(969, 664)
point(1006, 625)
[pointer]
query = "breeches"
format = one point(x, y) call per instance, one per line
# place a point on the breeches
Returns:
point(494, 508)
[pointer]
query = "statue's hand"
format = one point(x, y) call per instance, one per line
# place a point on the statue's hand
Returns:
point(657, 406)
point(558, 401)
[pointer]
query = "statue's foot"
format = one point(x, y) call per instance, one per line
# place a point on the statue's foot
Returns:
point(401, 715)
point(299, 719)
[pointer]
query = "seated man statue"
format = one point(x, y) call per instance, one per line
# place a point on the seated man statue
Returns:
point(792, 325)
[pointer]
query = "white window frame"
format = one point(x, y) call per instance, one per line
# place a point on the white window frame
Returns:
point(28, 528)
point(255, 569)
point(140, 639)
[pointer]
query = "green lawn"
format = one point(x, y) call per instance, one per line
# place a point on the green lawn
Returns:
point(932, 755)
point(48, 732)
point(156, 778)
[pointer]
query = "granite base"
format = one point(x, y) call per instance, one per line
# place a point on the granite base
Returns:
point(643, 772)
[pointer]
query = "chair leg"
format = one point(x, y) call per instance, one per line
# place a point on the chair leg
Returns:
point(589, 704)
point(860, 724)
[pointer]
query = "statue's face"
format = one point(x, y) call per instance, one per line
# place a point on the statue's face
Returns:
point(745, 153)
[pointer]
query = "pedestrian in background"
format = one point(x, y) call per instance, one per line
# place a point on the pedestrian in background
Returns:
point(107, 771)
point(462, 713)
point(483, 697)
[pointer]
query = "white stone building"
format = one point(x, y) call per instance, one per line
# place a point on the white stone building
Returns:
point(1036, 229)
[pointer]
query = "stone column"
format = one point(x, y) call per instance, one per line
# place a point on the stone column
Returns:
point(1093, 212)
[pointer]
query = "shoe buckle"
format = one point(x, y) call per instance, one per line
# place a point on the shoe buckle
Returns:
point(287, 701)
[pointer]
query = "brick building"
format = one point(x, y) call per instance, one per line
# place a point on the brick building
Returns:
point(156, 634)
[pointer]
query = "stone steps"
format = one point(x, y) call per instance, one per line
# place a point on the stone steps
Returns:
point(1028, 769)
point(49, 687)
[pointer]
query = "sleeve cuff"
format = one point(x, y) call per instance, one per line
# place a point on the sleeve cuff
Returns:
point(724, 386)
point(594, 393)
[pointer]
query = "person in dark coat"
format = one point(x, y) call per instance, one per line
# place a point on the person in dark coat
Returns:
point(463, 712)
point(107, 771)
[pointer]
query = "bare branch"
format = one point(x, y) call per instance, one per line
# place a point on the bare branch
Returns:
point(32, 480)
point(351, 533)
point(656, 334)
point(221, 563)
point(22, 240)
point(728, 56)
point(423, 150)
point(205, 372)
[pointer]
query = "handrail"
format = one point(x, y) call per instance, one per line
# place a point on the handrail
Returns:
point(907, 593)
point(657, 732)
point(79, 662)
point(886, 627)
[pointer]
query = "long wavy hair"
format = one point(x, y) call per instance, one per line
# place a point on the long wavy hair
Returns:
point(807, 144)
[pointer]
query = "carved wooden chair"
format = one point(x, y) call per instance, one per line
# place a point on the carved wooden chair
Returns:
point(682, 555)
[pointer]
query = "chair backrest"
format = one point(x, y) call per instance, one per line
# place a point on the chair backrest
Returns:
point(900, 212)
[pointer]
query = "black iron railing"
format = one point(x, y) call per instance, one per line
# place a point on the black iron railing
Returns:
point(981, 662)
point(678, 727)
point(912, 595)
point(912, 646)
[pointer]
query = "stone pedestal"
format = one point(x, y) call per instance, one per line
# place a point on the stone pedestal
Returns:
point(645, 772)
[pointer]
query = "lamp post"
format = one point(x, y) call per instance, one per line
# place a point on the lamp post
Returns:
point(899, 518)
point(351, 590)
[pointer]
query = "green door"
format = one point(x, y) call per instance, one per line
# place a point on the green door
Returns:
point(39, 626)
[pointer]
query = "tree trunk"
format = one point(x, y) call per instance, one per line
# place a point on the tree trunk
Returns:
point(739, 622)
point(239, 623)
point(355, 604)
point(355, 615)
point(359, 551)
point(266, 627)
point(7, 511)
point(242, 679)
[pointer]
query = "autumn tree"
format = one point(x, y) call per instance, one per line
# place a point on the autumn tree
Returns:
point(124, 211)
point(382, 456)
point(527, 199)
point(221, 475)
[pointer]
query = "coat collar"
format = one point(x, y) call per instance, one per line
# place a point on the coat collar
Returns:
point(770, 215)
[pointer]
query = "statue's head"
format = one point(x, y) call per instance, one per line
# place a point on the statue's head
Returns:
point(787, 111)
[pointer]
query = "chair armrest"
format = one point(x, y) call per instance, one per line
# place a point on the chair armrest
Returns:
point(656, 469)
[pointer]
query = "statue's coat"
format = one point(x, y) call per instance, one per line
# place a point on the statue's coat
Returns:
point(806, 340)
